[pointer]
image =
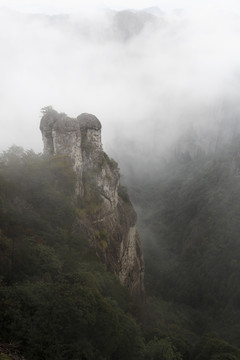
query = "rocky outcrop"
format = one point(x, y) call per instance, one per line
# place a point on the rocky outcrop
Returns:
point(106, 216)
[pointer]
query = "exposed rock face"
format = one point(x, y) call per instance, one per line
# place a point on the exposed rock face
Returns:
point(106, 218)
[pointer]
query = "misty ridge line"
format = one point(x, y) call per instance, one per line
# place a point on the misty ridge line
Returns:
point(153, 79)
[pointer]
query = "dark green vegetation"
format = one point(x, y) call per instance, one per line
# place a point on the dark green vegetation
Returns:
point(58, 302)
point(189, 220)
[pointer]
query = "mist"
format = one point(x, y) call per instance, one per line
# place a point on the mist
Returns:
point(148, 75)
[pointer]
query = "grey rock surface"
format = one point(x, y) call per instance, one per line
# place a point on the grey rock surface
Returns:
point(106, 219)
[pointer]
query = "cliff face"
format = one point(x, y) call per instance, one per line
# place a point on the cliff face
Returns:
point(106, 215)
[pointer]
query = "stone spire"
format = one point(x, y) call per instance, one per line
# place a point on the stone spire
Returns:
point(108, 219)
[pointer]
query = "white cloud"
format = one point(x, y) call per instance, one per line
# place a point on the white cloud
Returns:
point(137, 88)
point(56, 6)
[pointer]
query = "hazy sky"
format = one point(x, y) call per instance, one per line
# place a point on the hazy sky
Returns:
point(56, 6)
point(141, 89)
point(61, 6)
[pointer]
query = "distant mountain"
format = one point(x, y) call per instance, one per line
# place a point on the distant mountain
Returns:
point(110, 25)
point(128, 23)
point(154, 10)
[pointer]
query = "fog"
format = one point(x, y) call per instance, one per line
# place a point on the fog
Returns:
point(149, 75)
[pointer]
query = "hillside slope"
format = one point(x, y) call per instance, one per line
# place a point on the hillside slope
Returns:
point(57, 301)
point(189, 221)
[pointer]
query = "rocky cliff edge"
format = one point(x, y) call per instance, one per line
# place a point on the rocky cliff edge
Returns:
point(106, 215)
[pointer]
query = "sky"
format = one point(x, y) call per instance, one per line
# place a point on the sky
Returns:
point(63, 6)
point(69, 6)
point(144, 89)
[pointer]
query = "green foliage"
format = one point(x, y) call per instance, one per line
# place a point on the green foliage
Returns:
point(56, 300)
point(92, 201)
point(189, 225)
point(161, 349)
point(102, 237)
point(47, 109)
point(65, 321)
point(123, 193)
point(111, 162)
point(213, 348)
point(4, 356)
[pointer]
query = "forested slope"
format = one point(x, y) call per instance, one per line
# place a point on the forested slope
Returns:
point(57, 301)
point(189, 220)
